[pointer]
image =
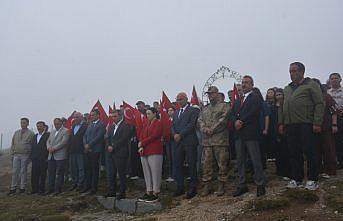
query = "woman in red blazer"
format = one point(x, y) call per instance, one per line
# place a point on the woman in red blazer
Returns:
point(151, 151)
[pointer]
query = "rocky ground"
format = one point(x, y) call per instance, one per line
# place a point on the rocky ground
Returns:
point(279, 203)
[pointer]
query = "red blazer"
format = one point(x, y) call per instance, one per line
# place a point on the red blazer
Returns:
point(151, 138)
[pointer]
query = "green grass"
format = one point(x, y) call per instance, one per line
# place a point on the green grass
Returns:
point(334, 197)
point(301, 196)
point(268, 204)
point(27, 207)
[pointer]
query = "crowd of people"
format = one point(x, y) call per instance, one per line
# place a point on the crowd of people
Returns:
point(301, 123)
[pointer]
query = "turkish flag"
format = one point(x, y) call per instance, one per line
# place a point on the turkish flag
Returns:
point(103, 115)
point(134, 117)
point(165, 119)
point(129, 114)
point(234, 95)
point(110, 119)
point(140, 120)
point(194, 99)
point(69, 123)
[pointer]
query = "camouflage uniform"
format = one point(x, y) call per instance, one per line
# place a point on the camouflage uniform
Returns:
point(215, 146)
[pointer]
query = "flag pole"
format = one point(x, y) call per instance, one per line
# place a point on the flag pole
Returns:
point(1, 141)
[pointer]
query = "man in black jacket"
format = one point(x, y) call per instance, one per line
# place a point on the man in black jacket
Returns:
point(76, 151)
point(39, 156)
point(246, 113)
point(117, 155)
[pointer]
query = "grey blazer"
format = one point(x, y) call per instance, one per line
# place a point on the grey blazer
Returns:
point(59, 142)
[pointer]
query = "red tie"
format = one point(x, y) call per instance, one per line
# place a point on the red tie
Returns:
point(242, 100)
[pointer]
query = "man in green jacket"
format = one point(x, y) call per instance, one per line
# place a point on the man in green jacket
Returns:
point(300, 120)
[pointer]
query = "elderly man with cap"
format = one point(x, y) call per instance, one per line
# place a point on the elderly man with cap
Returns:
point(213, 122)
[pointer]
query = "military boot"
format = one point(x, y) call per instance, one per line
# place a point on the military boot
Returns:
point(220, 191)
point(206, 190)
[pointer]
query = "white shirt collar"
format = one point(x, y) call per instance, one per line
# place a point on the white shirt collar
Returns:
point(246, 95)
point(117, 124)
point(184, 108)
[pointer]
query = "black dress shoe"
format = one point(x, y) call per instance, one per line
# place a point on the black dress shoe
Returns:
point(240, 191)
point(261, 190)
point(110, 195)
point(92, 192)
point(22, 191)
point(179, 192)
point(11, 192)
point(57, 193)
point(50, 192)
point(33, 192)
point(190, 194)
point(84, 190)
point(72, 188)
point(120, 196)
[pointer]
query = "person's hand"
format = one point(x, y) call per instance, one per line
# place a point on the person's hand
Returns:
point(177, 138)
point(317, 129)
point(140, 150)
point(110, 149)
point(139, 144)
point(265, 132)
point(210, 132)
point(87, 148)
point(334, 129)
point(238, 124)
point(281, 129)
point(50, 149)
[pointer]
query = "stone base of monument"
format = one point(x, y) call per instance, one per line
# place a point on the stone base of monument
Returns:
point(130, 206)
point(107, 202)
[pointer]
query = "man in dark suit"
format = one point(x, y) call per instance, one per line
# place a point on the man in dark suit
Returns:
point(76, 151)
point(246, 113)
point(117, 155)
point(39, 156)
point(186, 141)
point(93, 141)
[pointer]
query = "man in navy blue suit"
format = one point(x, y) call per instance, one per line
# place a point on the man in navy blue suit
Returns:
point(246, 113)
point(186, 141)
point(93, 141)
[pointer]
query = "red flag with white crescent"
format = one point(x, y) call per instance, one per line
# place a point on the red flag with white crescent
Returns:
point(195, 98)
point(165, 119)
point(103, 114)
point(69, 123)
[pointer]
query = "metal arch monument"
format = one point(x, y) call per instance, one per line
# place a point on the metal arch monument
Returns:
point(222, 73)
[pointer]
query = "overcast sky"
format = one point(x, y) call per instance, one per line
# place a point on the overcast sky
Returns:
point(60, 56)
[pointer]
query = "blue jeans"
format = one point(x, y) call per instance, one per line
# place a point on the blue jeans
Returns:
point(77, 169)
point(56, 174)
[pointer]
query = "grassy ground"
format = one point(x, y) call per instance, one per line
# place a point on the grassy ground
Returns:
point(279, 203)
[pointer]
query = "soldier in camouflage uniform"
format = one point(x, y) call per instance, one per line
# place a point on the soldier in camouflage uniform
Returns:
point(213, 122)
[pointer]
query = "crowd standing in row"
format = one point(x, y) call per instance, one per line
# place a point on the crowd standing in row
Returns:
point(303, 119)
